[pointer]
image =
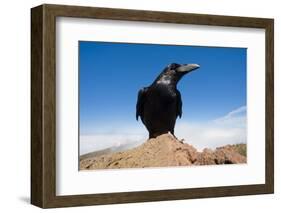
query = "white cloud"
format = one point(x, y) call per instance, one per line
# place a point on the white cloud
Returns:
point(236, 117)
point(229, 129)
point(92, 143)
point(233, 113)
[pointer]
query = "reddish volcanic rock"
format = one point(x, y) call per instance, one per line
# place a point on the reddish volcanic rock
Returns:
point(164, 151)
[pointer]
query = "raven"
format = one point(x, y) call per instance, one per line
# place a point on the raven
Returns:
point(160, 104)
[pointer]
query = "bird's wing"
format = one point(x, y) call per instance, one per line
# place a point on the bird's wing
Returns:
point(179, 104)
point(140, 102)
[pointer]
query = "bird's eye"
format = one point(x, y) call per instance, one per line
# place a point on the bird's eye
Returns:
point(173, 66)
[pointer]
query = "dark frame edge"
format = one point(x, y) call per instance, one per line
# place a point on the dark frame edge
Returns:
point(37, 190)
point(156, 16)
point(156, 196)
point(43, 110)
point(269, 122)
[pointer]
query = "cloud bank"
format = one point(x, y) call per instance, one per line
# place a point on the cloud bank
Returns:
point(228, 129)
point(93, 143)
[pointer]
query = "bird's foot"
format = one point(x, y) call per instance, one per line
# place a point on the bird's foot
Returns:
point(175, 137)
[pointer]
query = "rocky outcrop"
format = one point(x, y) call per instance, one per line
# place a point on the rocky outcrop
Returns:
point(166, 151)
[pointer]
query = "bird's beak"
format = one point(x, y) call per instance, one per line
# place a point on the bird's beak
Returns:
point(187, 68)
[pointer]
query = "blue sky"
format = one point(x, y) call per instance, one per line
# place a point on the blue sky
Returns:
point(110, 75)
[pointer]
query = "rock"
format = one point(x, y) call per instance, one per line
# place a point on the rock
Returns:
point(164, 151)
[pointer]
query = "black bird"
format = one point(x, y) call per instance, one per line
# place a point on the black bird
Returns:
point(160, 104)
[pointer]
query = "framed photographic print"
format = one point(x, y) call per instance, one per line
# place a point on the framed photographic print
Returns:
point(136, 106)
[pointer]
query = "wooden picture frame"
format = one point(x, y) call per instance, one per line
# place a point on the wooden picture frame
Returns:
point(43, 105)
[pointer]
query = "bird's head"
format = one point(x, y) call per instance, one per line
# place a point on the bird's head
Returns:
point(174, 72)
